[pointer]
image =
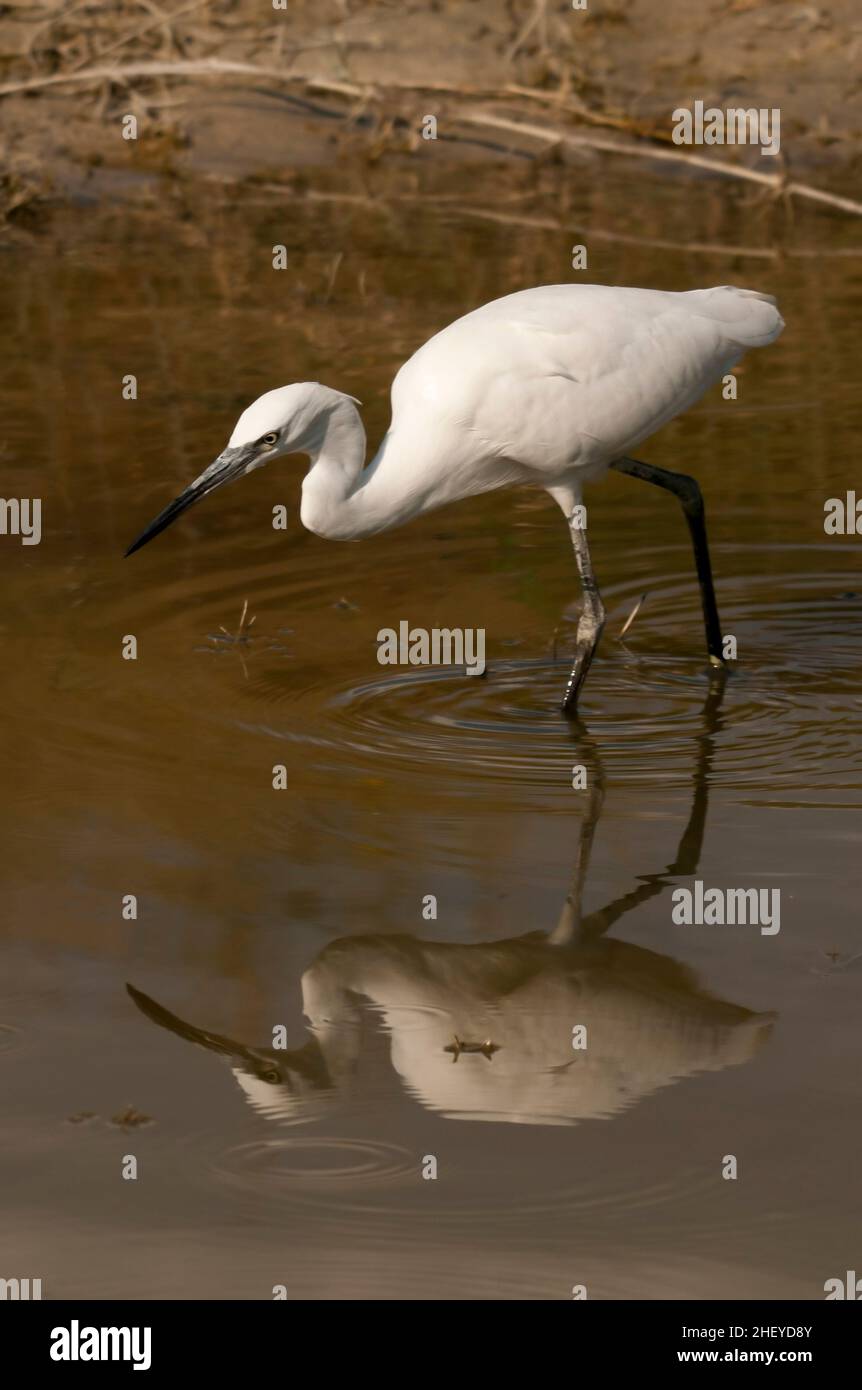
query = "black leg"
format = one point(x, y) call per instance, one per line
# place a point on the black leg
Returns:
point(689, 494)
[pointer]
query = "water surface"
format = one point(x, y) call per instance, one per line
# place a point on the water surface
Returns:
point(304, 907)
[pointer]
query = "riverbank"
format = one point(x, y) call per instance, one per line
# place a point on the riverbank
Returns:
point(237, 90)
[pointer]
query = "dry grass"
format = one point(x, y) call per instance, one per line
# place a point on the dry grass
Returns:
point(139, 54)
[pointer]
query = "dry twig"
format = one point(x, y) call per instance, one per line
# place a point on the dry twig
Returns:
point(218, 67)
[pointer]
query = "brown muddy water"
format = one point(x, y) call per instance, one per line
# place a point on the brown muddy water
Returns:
point(303, 907)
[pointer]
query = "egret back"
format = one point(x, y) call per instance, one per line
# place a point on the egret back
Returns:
point(565, 378)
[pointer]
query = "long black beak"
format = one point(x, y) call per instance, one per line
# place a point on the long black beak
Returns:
point(257, 1062)
point(232, 463)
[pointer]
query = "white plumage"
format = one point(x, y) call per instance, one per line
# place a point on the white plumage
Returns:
point(546, 386)
point(549, 386)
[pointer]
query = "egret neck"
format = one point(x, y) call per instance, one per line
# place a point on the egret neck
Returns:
point(339, 499)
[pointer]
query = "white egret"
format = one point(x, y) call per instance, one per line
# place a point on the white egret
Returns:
point(549, 386)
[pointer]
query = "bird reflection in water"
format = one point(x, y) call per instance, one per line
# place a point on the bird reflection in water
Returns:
point(506, 1010)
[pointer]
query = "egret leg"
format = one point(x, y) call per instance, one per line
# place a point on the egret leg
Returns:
point(688, 491)
point(591, 620)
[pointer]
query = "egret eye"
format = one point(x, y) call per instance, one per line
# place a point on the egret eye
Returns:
point(269, 439)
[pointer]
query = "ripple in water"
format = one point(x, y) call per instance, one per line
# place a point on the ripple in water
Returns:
point(356, 1183)
point(780, 736)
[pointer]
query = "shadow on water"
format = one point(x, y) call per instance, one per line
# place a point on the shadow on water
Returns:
point(485, 1031)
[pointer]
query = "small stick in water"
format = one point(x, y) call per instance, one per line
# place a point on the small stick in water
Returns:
point(630, 619)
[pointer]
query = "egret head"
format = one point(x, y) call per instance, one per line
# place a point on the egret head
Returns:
point(290, 420)
point(292, 1083)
